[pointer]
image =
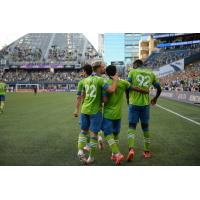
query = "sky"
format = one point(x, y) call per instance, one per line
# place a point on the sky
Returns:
point(7, 38)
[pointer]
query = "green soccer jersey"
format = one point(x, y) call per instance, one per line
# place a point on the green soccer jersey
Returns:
point(143, 78)
point(113, 107)
point(93, 86)
point(2, 88)
point(80, 87)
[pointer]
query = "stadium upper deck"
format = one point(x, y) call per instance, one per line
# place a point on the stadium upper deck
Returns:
point(53, 48)
point(172, 47)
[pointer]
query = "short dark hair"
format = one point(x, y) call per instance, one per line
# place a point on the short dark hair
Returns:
point(111, 70)
point(87, 68)
point(138, 63)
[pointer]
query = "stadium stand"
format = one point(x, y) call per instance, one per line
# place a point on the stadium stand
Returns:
point(188, 80)
point(169, 55)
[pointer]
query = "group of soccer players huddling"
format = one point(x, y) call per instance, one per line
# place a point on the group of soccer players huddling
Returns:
point(101, 102)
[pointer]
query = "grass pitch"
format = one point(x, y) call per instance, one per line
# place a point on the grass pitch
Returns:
point(40, 130)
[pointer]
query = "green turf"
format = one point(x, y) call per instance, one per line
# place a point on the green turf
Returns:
point(40, 130)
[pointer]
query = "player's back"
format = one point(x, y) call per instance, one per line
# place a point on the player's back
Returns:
point(93, 91)
point(143, 78)
point(2, 88)
point(112, 109)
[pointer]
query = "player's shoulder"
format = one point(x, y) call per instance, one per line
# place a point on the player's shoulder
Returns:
point(81, 81)
point(123, 81)
point(132, 71)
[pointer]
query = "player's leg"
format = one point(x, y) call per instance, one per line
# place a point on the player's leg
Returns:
point(100, 140)
point(2, 103)
point(95, 127)
point(82, 139)
point(133, 117)
point(116, 130)
point(107, 126)
point(87, 146)
point(145, 128)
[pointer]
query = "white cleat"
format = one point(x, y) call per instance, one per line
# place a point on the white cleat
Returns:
point(90, 160)
point(86, 148)
point(100, 143)
point(81, 156)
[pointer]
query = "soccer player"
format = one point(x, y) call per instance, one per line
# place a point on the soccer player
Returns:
point(2, 95)
point(91, 111)
point(112, 113)
point(87, 71)
point(139, 105)
point(35, 90)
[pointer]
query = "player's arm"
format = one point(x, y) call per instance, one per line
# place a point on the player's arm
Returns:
point(105, 96)
point(111, 88)
point(137, 89)
point(156, 84)
point(77, 106)
point(127, 96)
point(78, 100)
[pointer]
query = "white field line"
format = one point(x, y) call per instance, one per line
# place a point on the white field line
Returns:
point(175, 113)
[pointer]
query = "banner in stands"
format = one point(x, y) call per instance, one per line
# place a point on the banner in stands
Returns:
point(177, 43)
point(187, 97)
point(170, 68)
point(41, 66)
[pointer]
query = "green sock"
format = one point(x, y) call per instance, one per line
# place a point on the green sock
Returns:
point(82, 140)
point(146, 140)
point(88, 138)
point(93, 146)
point(100, 133)
point(116, 138)
point(131, 138)
point(113, 146)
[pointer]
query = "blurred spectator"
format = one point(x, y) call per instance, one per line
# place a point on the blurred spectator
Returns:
point(40, 76)
point(169, 55)
point(188, 80)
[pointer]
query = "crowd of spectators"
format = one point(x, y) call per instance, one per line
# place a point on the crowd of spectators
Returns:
point(27, 76)
point(164, 57)
point(188, 80)
point(35, 55)
point(20, 54)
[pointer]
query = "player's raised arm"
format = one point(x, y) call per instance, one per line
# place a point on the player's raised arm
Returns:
point(113, 86)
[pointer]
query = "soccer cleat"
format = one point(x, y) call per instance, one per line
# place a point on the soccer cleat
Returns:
point(90, 160)
point(86, 148)
point(147, 154)
point(100, 143)
point(130, 155)
point(81, 156)
point(113, 157)
point(118, 158)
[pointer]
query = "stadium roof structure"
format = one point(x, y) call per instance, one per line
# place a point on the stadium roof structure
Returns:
point(75, 45)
